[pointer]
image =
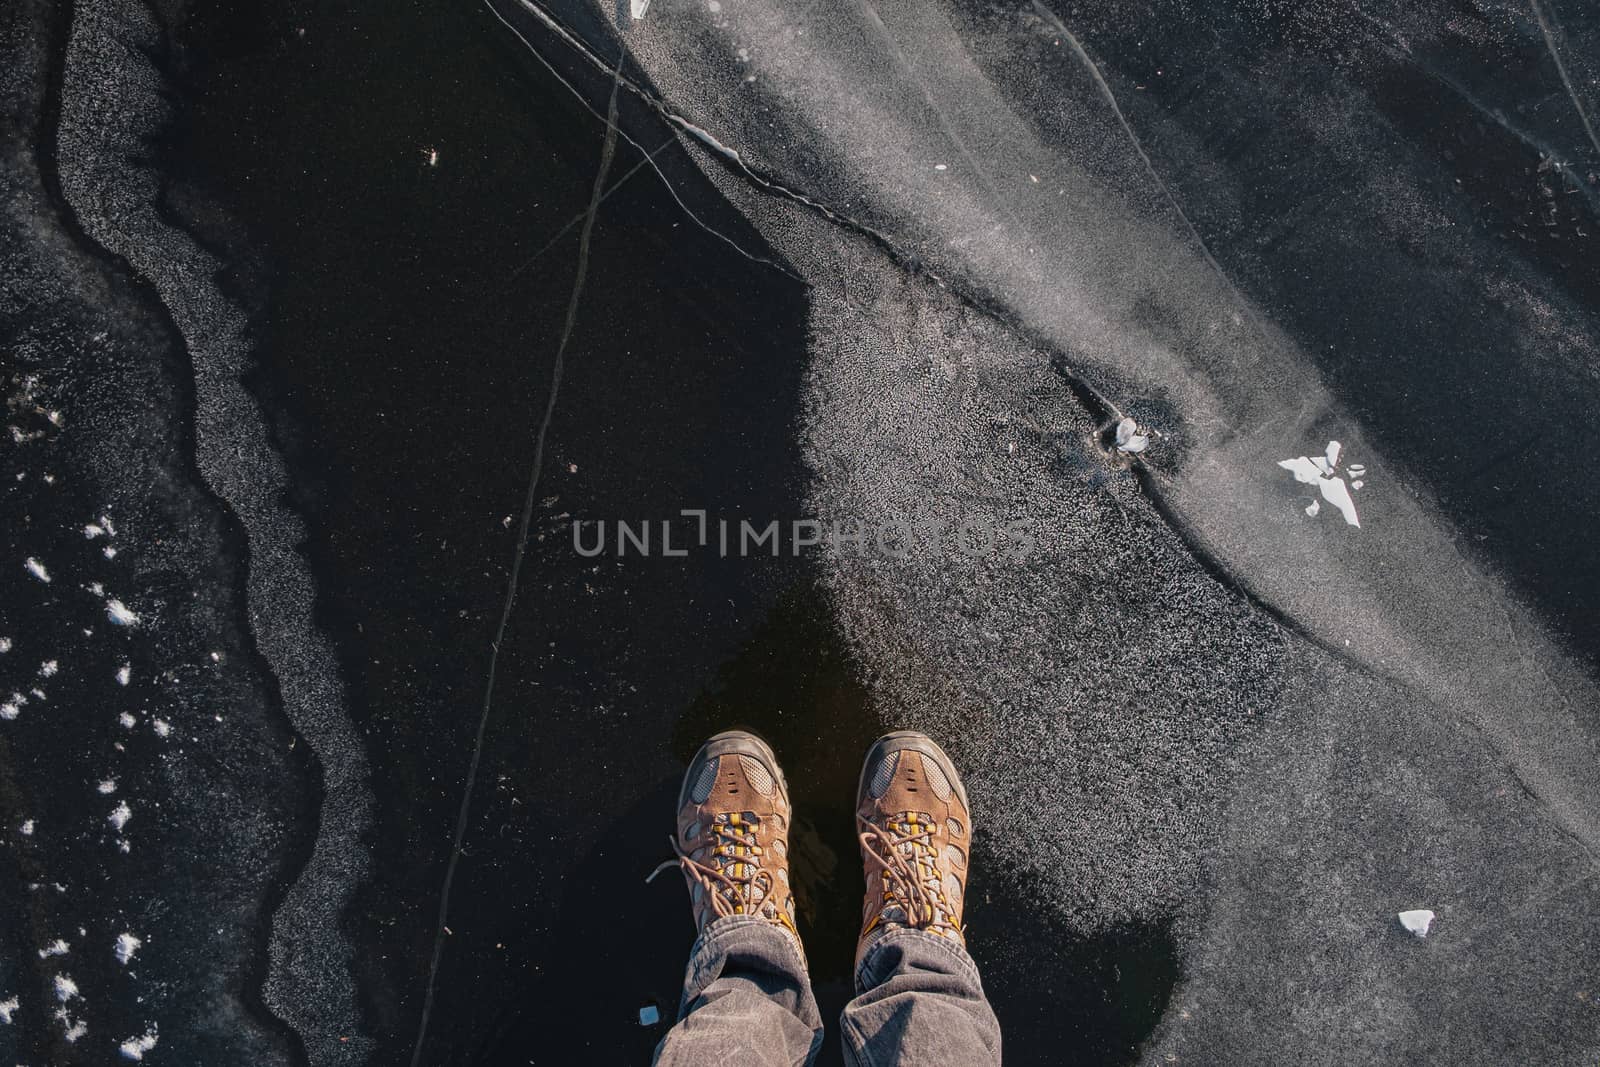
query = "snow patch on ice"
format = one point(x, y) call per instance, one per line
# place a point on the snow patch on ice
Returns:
point(125, 947)
point(119, 614)
point(135, 1047)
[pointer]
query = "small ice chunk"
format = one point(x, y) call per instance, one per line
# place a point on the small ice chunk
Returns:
point(120, 815)
point(8, 1008)
point(110, 552)
point(57, 947)
point(124, 673)
point(162, 727)
point(1313, 507)
point(125, 947)
point(1417, 921)
point(135, 1047)
point(66, 988)
point(97, 589)
point(1322, 465)
point(11, 708)
point(1334, 448)
point(1129, 439)
point(1357, 469)
point(5, 644)
point(1335, 492)
point(126, 720)
point(1357, 484)
point(1302, 469)
point(26, 829)
point(637, 8)
point(36, 569)
point(649, 1015)
point(48, 668)
point(106, 787)
point(74, 1030)
point(94, 530)
point(119, 614)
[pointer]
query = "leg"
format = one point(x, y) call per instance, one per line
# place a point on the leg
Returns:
point(919, 999)
point(746, 999)
point(746, 995)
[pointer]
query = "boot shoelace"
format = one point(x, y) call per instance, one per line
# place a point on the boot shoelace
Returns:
point(733, 878)
point(911, 876)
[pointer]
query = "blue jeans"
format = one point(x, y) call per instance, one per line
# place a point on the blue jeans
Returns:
point(747, 1000)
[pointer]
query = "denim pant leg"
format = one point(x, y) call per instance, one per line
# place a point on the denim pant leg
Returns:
point(919, 1001)
point(746, 999)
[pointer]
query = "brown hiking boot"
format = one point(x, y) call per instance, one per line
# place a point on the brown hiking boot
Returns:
point(733, 832)
point(911, 812)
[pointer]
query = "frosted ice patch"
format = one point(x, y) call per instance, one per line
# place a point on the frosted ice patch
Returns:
point(124, 673)
point(118, 613)
point(57, 947)
point(125, 947)
point(5, 644)
point(35, 568)
point(11, 708)
point(65, 988)
point(120, 815)
point(126, 720)
point(1417, 921)
point(106, 787)
point(26, 829)
point(48, 668)
point(8, 1008)
point(161, 727)
point(135, 1047)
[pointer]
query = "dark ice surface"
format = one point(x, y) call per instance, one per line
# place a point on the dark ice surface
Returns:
point(321, 743)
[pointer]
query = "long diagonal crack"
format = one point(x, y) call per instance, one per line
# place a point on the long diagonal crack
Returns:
point(607, 152)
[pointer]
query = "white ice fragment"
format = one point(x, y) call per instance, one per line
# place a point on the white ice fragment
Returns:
point(57, 947)
point(119, 614)
point(106, 787)
point(1129, 439)
point(120, 815)
point(26, 829)
point(36, 569)
point(940, 166)
point(1322, 465)
point(1417, 921)
point(1357, 484)
point(5, 644)
point(8, 1008)
point(1313, 507)
point(125, 947)
point(135, 1047)
point(124, 673)
point(105, 520)
point(161, 727)
point(126, 720)
point(48, 668)
point(1302, 469)
point(110, 552)
point(74, 1030)
point(1357, 469)
point(94, 530)
point(1334, 448)
point(66, 988)
point(97, 589)
point(637, 8)
point(1335, 492)
point(649, 1015)
point(10, 709)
